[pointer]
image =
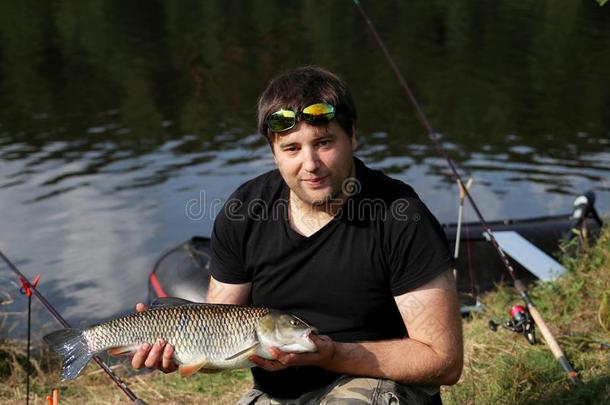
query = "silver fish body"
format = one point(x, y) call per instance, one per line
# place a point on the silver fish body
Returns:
point(210, 336)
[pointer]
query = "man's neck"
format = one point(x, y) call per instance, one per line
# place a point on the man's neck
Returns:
point(307, 219)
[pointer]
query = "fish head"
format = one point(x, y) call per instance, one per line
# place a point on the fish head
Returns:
point(287, 332)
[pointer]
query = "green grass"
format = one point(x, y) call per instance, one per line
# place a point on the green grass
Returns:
point(94, 387)
point(500, 367)
point(503, 368)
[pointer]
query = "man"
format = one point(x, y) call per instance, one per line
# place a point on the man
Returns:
point(350, 250)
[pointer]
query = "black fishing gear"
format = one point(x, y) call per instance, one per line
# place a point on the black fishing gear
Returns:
point(520, 322)
point(584, 207)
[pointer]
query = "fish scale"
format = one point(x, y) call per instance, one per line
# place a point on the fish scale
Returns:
point(216, 332)
point(211, 336)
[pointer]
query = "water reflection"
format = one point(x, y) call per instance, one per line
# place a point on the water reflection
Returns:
point(114, 115)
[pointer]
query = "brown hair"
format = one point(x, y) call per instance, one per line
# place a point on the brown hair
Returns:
point(298, 88)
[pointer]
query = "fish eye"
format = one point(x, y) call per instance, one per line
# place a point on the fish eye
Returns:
point(294, 322)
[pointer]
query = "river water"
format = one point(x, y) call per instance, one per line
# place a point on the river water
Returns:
point(125, 125)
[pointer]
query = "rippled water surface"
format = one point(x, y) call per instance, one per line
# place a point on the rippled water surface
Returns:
point(125, 125)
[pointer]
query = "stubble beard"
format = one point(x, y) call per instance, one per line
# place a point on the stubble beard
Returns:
point(329, 202)
point(333, 200)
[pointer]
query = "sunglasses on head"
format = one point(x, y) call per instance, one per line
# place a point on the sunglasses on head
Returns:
point(315, 114)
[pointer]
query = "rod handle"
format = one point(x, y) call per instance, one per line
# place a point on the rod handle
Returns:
point(553, 345)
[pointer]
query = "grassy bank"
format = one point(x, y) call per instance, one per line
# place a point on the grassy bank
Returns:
point(94, 387)
point(501, 367)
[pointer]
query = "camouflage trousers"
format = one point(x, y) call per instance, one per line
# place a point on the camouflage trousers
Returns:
point(348, 391)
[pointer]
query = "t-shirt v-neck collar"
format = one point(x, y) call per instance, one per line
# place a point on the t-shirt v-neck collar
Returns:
point(296, 236)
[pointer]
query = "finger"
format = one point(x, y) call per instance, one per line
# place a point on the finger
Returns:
point(259, 361)
point(275, 352)
point(168, 360)
point(140, 355)
point(286, 359)
point(269, 365)
point(155, 354)
point(282, 357)
point(141, 307)
point(319, 339)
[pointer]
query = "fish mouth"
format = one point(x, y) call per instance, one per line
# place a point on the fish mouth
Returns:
point(307, 335)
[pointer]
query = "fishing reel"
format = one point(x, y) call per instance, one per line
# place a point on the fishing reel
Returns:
point(520, 322)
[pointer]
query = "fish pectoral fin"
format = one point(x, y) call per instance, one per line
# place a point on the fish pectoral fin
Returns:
point(187, 370)
point(122, 350)
point(242, 352)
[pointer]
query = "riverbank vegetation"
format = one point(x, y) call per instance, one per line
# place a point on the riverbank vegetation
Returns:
point(95, 387)
point(500, 367)
point(503, 368)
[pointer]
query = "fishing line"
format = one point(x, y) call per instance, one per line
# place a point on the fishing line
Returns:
point(32, 287)
point(519, 285)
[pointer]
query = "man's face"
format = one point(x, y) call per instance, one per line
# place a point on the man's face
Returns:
point(314, 161)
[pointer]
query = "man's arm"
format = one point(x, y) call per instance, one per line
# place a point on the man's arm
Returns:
point(432, 354)
point(223, 293)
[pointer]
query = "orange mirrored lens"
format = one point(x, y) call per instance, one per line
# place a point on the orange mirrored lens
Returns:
point(319, 109)
point(315, 114)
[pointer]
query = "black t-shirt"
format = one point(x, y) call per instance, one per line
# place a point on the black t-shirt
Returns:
point(343, 278)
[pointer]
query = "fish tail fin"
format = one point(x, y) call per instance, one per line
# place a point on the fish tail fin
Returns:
point(71, 344)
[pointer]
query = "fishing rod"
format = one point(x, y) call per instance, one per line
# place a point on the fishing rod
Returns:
point(519, 285)
point(117, 380)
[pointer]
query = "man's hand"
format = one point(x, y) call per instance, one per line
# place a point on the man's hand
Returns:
point(322, 357)
point(157, 356)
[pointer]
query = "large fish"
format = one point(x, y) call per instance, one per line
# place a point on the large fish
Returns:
point(204, 336)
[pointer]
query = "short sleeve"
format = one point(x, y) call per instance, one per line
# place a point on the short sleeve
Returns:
point(418, 246)
point(227, 265)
